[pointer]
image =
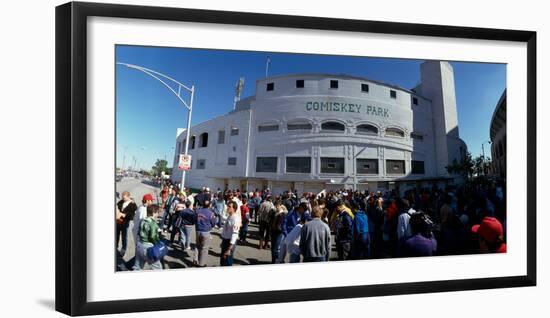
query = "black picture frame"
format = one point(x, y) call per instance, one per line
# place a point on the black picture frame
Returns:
point(71, 157)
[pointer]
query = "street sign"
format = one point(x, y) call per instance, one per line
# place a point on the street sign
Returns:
point(184, 162)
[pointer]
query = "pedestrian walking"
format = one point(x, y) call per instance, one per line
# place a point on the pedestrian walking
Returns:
point(206, 220)
point(229, 235)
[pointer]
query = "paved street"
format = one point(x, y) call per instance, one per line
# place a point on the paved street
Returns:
point(244, 255)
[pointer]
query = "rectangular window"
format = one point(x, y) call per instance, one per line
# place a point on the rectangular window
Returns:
point(298, 164)
point(417, 167)
point(393, 94)
point(201, 164)
point(299, 126)
point(365, 88)
point(332, 165)
point(234, 131)
point(333, 84)
point(299, 83)
point(367, 166)
point(270, 86)
point(395, 166)
point(415, 101)
point(232, 161)
point(266, 164)
point(221, 137)
point(417, 136)
point(264, 128)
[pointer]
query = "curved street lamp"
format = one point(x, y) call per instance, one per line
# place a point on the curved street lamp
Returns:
point(165, 80)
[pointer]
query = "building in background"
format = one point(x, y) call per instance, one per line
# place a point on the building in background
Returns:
point(309, 132)
point(498, 138)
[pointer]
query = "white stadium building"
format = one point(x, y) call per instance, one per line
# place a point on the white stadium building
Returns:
point(321, 131)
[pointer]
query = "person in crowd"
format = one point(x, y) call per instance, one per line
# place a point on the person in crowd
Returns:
point(361, 238)
point(245, 219)
point(188, 221)
point(257, 200)
point(422, 242)
point(294, 216)
point(490, 234)
point(343, 227)
point(206, 220)
point(148, 236)
point(375, 214)
point(219, 208)
point(276, 227)
point(140, 214)
point(403, 225)
point(168, 209)
point(264, 212)
point(315, 239)
point(291, 242)
point(230, 233)
point(126, 209)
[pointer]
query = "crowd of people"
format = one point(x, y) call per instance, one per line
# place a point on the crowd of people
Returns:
point(308, 227)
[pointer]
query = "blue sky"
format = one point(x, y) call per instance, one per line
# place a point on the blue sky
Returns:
point(148, 113)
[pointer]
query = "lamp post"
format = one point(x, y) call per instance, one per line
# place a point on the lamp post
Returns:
point(165, 80)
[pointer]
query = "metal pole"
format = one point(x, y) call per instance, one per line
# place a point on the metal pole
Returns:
point(187, 133)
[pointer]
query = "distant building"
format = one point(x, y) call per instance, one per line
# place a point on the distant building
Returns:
point(320, 131)
point(498, 138)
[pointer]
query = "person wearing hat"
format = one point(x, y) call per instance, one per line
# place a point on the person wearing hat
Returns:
point(490, 235)
point(141, 214)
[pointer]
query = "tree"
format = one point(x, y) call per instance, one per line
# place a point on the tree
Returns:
point(464, 167)
point(160, 166)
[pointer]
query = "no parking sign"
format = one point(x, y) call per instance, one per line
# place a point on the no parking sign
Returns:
point(184, 162)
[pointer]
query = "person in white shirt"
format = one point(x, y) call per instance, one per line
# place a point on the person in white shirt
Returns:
point(230, 234)
point(291, 242)
point(404, 230)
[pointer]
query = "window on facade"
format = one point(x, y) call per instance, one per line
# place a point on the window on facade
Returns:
point(232, 161)
point(203, 140)
point(367, 166)
point(332, 165)
point(234, 131)
point(299, 126)
point(415, 101)
point(365, 88)
point(393, 94)
point(367, 129)
point(221, 137)
point(395, 132)
point(417, 136)
point(192, 146)
point(417, 167)
point(270, 86)
point(201, 164)
point(333, 84)
point(299, 83)
point(395, 166)
point(266, 164)
point(298, 164)
point(333, 126)
point(270, 127)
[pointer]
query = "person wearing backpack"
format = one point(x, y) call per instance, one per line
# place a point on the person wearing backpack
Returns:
point(361, 238)
point(148, 236)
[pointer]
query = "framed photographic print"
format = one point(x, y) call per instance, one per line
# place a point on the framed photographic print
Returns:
point(321, 155)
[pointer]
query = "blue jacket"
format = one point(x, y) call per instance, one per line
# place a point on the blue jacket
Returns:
point(360, 226)
point(290, 221)
point(206, 220)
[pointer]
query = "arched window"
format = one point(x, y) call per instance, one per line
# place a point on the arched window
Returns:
point(333, 126)
point(394, 132)
point(367, 129)
point(203, 140)
point(299, 126)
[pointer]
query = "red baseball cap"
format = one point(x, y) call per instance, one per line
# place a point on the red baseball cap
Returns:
point(148, 197)
point(490, 229)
